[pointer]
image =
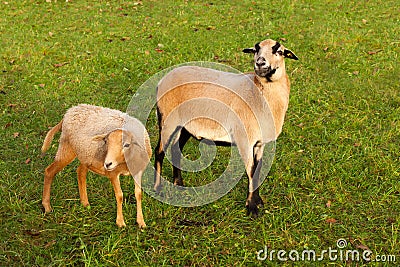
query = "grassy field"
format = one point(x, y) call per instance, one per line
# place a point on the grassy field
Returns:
point(336, 171)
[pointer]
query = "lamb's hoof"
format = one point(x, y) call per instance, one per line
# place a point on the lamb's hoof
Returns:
point(46, 208)
point(121, 224)
point(142, 225)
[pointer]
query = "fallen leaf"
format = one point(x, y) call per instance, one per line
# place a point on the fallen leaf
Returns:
point(8, 125)
point(147, 52)
point(357, 144)
point(125, 38)
point(42, 85)
point(27, 161)
point(50, 34)
point(364, 21)
point(159, 50)
point(326, 49)
point(49, 244)
point(15, 135)
point(356, 72)
point(57, 65)
point(363, 247)
point(331, 220)
point(32, 232)
point(373, 52)
point(283, 39)
point(328, 204)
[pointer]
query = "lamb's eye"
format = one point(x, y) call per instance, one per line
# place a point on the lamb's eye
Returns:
point(126, 145)
point(279, 52)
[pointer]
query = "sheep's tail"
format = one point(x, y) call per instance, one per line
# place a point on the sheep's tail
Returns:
point(49, 136)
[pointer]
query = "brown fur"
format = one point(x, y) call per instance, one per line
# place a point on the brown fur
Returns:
point(245, 109)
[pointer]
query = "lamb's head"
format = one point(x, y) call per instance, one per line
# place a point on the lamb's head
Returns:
point(117, 142)
point(269, 59)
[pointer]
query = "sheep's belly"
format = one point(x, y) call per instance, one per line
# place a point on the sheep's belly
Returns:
point(208, 129)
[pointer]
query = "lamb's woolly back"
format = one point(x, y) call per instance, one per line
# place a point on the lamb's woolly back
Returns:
point(81, 123)
point(107, 142)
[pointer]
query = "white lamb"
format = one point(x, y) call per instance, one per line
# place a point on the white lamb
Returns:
point(107, 142)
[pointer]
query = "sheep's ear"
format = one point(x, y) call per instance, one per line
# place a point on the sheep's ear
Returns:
point(289, 54)
point(251, 50)
point(99, 137)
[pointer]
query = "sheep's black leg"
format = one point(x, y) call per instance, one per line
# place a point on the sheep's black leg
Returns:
point(253, 199)
point(176, 156)
point(159, 155)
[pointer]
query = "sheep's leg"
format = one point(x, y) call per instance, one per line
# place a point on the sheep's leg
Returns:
point(253, 169)
point(177, 149)
point(64, 157)
point(138, 196)
point(119, 197)
point(159, 155)
point(82, 172)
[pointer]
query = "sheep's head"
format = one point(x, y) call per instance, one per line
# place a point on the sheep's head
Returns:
point(117, 142)
point(269, 59)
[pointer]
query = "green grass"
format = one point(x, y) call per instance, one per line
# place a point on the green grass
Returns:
point(340, 142)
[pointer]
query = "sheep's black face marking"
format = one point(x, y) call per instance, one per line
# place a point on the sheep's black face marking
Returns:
point(257, 47)
point(275, 48)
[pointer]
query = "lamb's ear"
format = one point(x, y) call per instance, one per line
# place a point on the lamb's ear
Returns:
point(289, 54)
point(251, 50)
point(99, 137)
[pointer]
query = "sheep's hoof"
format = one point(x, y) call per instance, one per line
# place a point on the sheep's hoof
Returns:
point(258, 201)
point(178, 182)
point(252, 209)
point(158, 188)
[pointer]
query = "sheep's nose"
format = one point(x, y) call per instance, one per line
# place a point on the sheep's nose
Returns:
point(260, 62)
point(106, 165)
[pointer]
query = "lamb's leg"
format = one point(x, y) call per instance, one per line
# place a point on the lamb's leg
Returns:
point(82, 172)
point(176, 150)
point(138, 196)
point(119, 197)
point(64, 156)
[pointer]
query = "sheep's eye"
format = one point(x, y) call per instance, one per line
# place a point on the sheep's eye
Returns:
point(126, 145)
point(279, 52)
